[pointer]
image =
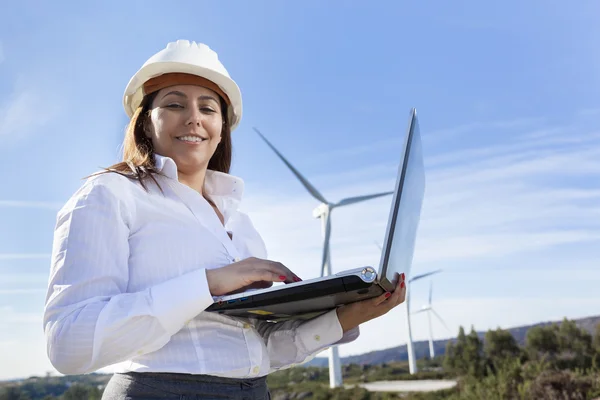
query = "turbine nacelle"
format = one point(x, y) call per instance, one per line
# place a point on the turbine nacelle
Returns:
point(321, 210)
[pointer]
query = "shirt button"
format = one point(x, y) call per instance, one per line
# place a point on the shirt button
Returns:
point(255, 370)
point(246, 326)
point(140, 352)
point(317, 338)
point(237, 259)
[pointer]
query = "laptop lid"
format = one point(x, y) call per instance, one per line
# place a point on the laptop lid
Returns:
point(405, 212)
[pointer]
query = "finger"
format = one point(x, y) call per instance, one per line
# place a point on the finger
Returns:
point(292, 277)
point(268, 275)
point(402, 296)
point(399, 294)
point(260, 285)
point(381, 299)
point(254, 285)
point(399, 286)
point(283, 270)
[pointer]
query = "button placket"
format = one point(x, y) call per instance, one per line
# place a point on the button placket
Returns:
point(198, 208)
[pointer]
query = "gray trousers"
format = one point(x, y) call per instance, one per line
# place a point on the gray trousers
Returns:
point(154, 385)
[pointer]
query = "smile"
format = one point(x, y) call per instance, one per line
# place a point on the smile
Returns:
point(191, 139)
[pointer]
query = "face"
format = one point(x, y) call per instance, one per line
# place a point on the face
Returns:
point(185, 125)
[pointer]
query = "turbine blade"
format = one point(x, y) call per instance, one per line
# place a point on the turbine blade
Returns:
point(352, 200)
point(440, 318)
point(378, 246)
point(414, 278)
point(326, 258)
point(311, 189)
point(419, 311)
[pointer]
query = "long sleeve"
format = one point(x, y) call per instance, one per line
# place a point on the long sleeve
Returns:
point(90, 321)
point(297, 341)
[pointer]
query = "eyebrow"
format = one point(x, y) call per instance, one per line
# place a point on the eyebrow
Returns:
point(181, 94)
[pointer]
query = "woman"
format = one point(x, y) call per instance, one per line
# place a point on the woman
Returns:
point(141, 249)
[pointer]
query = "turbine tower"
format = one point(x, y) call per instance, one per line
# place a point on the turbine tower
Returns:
point(412, 361)
point(428, 308)
point(323, 211)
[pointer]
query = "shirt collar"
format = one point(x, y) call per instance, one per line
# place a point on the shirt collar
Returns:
point(215, 183)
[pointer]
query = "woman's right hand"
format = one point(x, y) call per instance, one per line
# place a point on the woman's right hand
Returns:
point(251, 273)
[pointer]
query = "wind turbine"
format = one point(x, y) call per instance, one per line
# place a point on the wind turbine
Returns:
point(412, 362)
point(428, 308)
point(323, 211)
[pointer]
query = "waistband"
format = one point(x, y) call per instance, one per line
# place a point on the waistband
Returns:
point(173, 377)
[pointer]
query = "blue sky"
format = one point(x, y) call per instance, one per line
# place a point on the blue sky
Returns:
point(507, 96)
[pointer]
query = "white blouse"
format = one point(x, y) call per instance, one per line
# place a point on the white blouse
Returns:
point(128, 283)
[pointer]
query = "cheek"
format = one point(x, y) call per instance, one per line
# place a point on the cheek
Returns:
point(162, 124)
point(214, 128)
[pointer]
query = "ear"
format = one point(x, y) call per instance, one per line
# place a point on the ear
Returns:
point(221, 133)
point(147, 126)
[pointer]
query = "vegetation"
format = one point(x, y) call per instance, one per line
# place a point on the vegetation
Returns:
point(559, 361)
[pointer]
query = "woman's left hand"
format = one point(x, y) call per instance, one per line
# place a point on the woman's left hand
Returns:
point(354, 314)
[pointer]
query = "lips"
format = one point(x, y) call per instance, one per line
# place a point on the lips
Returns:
point(191, 138)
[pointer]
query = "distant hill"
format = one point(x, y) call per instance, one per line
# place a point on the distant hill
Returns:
point(400, 353)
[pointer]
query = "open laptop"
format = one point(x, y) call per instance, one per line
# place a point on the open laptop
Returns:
point(310, 298)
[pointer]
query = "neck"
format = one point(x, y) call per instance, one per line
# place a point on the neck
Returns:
point(194, 180)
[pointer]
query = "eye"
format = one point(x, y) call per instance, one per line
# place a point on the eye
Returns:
point(174, 105)
point(207, 110)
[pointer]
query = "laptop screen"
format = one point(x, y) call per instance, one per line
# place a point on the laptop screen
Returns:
point(405, 213)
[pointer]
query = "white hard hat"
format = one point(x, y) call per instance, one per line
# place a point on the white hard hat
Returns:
point(185, 57)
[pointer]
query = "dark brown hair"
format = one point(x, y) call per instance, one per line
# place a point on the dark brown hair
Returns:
point(138, 151)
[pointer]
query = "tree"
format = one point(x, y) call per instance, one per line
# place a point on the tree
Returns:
point(454, 352)
point(572, 338)
point(465, 357)
point(13, 393)
point(596, 340)
point(575, 345)
point(473, 355)
point(79, 392)
point(542, 342)
point(500, 345)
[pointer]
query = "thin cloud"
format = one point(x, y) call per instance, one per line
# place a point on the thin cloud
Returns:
point(9, 316)
point(26, 111)
point(23, 280)
point(589, 111)
point(482, 126)
point(2, 57)
point(24, 256)
point(21, 291)
point(356, 150)
point(55, 206)
point(431, 136)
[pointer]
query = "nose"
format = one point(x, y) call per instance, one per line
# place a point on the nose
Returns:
point(194, 116)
